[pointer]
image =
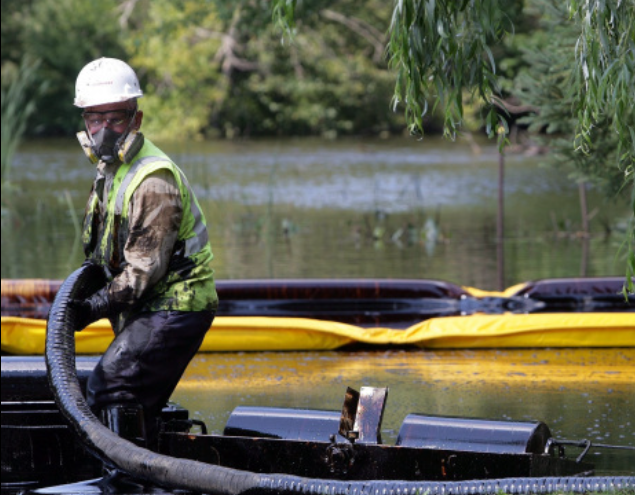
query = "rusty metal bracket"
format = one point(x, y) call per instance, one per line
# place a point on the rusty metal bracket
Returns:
point(349, 412)
point(339, 457)
point(362, 415)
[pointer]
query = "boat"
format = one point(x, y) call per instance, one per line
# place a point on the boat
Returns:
point(50, 435)
point(279, 450)
point(327, 314)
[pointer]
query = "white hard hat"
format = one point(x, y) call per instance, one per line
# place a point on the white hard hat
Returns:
point(106, 80)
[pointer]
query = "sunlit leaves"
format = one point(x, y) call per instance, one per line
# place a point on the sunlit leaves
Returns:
point(216, 68)
point(283, 14)
point(175, 50)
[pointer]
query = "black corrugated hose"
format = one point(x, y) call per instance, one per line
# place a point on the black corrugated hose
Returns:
point(200, 477)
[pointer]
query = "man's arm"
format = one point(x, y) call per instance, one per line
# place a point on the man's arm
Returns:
point(155, 217)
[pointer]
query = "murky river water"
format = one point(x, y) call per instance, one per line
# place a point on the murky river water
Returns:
point(337, 209)
point(394, 209)
point(579, 393)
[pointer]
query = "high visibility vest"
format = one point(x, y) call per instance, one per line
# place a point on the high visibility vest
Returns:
point(189, 282)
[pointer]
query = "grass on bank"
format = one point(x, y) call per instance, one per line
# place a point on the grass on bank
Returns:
point(18, 88)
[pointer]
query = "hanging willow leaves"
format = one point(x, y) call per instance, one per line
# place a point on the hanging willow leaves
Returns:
point(443, 49)
point(605, 57)
point(440, 49)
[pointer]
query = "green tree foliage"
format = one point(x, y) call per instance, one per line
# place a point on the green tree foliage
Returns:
point(218, 69)
point(173, 45)
point(544, 85)
point(215, 68)
point(64, 35)
point(332, 80)
point(441, 49)
point(605, 55)
point(438, 50)
point(13, 15)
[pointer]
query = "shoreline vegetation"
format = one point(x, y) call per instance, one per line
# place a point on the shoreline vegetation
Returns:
point(218, 70)
point(18, 104)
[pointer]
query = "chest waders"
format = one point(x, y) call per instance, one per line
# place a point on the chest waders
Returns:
point(157, 338)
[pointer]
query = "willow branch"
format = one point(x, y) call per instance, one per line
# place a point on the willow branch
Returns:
point(365, 30)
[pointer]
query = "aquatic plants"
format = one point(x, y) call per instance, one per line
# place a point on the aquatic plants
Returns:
point(18, 86)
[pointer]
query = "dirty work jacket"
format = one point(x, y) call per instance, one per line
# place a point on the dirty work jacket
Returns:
point(188, 284)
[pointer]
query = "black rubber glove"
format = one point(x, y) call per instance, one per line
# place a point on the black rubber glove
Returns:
point(93, 308)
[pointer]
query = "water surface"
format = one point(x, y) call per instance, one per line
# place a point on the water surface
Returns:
point(578, 393)
point(310, 208)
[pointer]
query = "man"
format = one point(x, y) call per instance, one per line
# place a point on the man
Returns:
point(144, 226)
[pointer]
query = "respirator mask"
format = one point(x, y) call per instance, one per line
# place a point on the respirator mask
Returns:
point(105, 143)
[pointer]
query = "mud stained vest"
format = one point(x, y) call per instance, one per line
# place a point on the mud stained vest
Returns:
point(189, 283)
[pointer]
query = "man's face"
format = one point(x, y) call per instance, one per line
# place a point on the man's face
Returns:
point(115, 116)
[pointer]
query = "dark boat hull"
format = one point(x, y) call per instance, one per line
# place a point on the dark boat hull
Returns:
point(39, 447)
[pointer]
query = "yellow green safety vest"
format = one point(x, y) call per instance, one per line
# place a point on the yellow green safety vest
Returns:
point(189, 282)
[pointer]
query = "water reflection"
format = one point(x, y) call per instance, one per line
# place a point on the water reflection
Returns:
point(299, 209)
point(579, 393)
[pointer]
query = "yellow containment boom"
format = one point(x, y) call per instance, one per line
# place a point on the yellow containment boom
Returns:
point(235, 333)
